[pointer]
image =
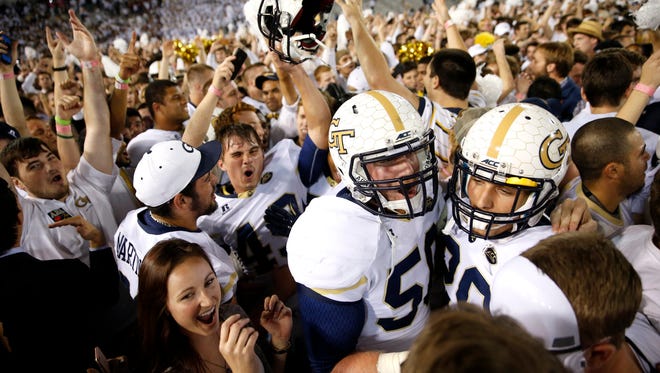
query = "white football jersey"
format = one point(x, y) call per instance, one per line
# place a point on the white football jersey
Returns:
point(471, 266)
point(636, 244)
point(345, 253)
point(239, 220)
point(442, 121)
point(610, 225)
point(138, 233)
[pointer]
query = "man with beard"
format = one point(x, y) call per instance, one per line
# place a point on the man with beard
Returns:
point(176, 183)
point(611, 157)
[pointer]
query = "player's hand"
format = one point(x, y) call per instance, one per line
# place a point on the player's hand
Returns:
point(279, 220)
point(237, 342)
point(56, 47)
point(572, 215)
point(85, 229)
point(277, 319)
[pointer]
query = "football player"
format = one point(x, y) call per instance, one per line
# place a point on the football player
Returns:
point(506, 173)
point(257, 180)
point(362, 259)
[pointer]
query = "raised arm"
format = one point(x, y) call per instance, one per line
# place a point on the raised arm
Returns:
point(441, 13)
point(637, 100)
point(504, 69)
point(201, 119)
point(67, 146)
point(372, 60)
point(168, 52)
point(129, 66)
point(316, 108)
point(97, 149)
point(9, 99)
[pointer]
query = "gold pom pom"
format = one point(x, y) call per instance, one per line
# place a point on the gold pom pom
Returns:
point(485, 39)
point(414, 51)
point(187, 52)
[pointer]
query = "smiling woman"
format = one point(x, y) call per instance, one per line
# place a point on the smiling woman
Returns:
point(184, 326)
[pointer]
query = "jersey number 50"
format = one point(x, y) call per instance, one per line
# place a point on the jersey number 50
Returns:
point(395, 297)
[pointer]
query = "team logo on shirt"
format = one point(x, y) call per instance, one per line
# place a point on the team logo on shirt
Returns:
point(266, 177)
point(58, 215)
point(82, 201)
point(490, 254)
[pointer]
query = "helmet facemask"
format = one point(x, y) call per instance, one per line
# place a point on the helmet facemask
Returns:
point(294, 28)
point(370, 193)
point(480, 223)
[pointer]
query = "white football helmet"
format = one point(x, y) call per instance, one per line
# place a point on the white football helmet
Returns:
point(515, 145)
point(294, 28)
point(379, 127)
point(522, 291)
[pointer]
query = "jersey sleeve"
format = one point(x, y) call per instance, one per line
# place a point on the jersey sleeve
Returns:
point(311, 162)
point(86, 173)
point(331, 328)
point(331, 248)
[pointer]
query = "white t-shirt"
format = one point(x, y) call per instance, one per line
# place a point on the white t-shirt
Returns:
point(88, 196)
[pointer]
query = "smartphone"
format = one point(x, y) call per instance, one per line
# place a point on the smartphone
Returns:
point(238, 62)
point(101, 360)
point(6, 57)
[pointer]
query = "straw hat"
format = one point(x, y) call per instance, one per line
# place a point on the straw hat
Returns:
point(590, 28)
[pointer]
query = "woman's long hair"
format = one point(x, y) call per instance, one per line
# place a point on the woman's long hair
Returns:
point(164, 345)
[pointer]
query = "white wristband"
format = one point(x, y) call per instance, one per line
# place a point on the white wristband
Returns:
point(391, 362)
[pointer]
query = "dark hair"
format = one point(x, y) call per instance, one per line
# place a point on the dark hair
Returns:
point(606, 78)
point(635, 59)
point(598, 143)
point(425, 60)
point(456, 71)
point(165, 210)
point(163, 342)
point(579, 57)
point(241, 130)
point(19, 150)
point(544, 87)
point(131, 112)
point(9, 217)
point(155, 93)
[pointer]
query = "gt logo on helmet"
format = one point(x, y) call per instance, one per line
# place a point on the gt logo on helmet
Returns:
point(545, 150)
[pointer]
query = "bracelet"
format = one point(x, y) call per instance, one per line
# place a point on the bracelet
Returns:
point(215, 91)
point(120, 80)
point(278, 351)
point(62, 68)
point(64, 131)
point(647, 89)
point(449, 23)
point(121, 86)
point(90, 64)
point(7, 76)
point(64, 122)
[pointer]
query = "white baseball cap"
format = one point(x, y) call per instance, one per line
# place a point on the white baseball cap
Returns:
point(502, 28)
point(169, 166)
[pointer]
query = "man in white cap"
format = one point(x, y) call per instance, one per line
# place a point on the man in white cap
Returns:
point(176, 183)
